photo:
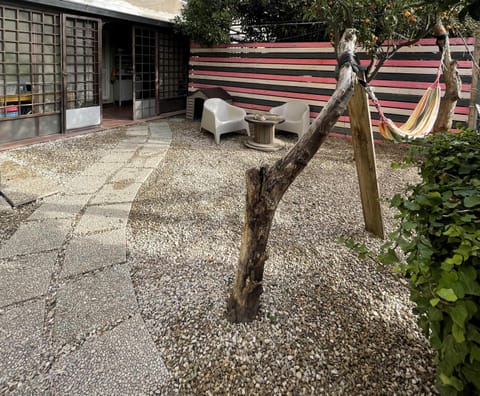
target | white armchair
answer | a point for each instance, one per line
(220, 117)
(296, 114)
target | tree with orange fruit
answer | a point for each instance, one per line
(382, 26)
(386, 26)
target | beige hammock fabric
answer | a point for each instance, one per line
(421, 121)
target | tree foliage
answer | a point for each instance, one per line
(210, 22)
(438, 236)
(273, 20)
(206, 22)
(464, 7)
(383, 26)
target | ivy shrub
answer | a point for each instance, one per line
(438, 234)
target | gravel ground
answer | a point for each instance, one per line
(57, 160)
(329, 324)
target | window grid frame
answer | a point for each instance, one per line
(144, 59)
(27, 90)
(83, 77)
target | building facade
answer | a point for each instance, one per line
(65, 65)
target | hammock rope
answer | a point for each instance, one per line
(420, 122)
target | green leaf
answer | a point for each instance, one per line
(457, 259)
(435, 197)
(448, 280)
(471, 201)
(409, 225)
(464, 249)
(467, 275)
(472, 375)
(434, 301)
(396, 201)
(388, 258)
(435, 314)
(474, 353)
(452, 354)
(452, 381)
(453, 230)
(447, 294)
(450, 204)
(458, 333)
(458, 313)
(413, 206)
(473, 333)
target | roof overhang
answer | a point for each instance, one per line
(97, 11)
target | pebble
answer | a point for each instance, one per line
(323, 311)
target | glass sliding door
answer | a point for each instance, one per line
(82, 71)
(173, 54)
(145, 72)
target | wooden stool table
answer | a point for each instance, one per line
(264, 132)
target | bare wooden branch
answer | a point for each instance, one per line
(377, 63)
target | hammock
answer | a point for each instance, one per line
(421, 121)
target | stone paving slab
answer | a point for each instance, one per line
(25, 277)
(36, 236)
(161, 126)
(131, 175)
(128, 146)
(139, 131)
(117, 156)
(28, 190)
(60, 206)
(103, 217)
(123, 361)
(103, 170)
(93, 301)
(116, 193)
(4, 205)
(86, 184)
(163, 138)
(20, 185)
(89, 252)
(20, 340)
(146, 159)
(138, 139)
(153, 148)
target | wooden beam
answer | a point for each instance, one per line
(364, 152)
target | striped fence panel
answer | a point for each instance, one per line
(261, 75)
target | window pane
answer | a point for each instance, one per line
(26, 44)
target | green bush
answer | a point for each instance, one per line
(439, 235)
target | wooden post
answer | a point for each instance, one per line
(364, 152)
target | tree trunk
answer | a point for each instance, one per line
(473, 115)
(453, 83)
(266, 186)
